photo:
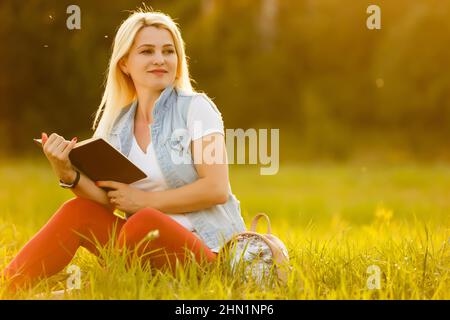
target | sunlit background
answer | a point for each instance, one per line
(334, 88)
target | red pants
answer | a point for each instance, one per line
(82, 222)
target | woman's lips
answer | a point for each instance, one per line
(158, 72)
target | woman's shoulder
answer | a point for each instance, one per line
(197, 101)
(197, 95)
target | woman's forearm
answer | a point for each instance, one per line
(87, 189)
(201, 194)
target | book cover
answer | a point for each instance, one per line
(100, 161)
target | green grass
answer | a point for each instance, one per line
(337, 220)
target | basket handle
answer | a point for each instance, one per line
(256, 219)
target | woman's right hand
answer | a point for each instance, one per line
(57, 150)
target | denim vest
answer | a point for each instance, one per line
(214, 225)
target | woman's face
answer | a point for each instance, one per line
(152, 60)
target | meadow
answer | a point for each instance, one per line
(337, 220)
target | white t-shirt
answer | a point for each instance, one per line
(211, 122)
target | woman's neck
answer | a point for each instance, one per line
(146, 103)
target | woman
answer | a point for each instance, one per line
(148, 99)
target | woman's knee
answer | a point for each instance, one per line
(78, 207)
(82, 202)
(141, 223)
(148, 216)
(94, 222)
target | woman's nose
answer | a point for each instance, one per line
(158, 58)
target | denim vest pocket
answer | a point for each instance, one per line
(178, 146)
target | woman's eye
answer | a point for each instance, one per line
(148, 51)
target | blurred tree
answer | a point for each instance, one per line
(309, 67)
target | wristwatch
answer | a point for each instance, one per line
(70, 186)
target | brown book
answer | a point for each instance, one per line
(100, 161)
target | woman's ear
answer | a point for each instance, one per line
(123, 66)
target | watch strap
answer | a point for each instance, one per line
(73, 184)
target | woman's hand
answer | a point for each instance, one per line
(124, 197)
(57, 150)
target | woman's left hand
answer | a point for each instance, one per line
(124, 197)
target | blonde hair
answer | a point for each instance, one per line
(119, 90)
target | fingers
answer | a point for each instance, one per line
(60, 145)
(108, 184)
(47, 141)
(69, 147)
(112, 194)
(44, 138)
(52, 142)
(55, 146)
